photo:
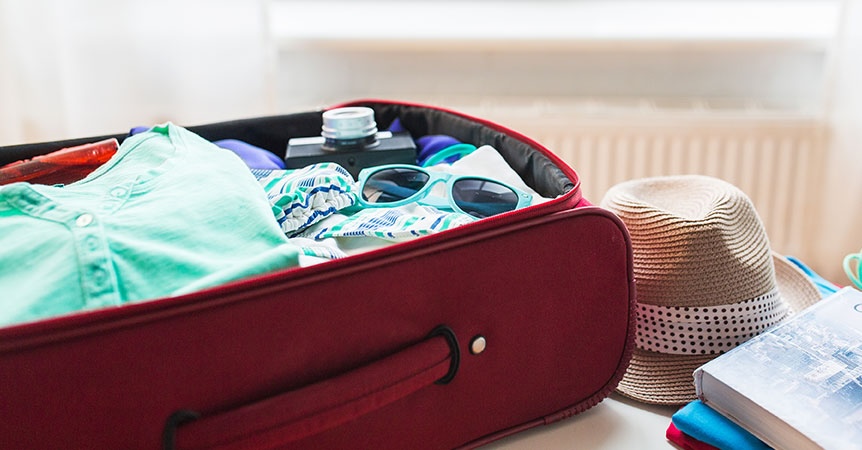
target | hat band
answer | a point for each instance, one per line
(685, 330)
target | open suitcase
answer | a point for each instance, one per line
(377, 350)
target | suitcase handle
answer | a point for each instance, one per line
(304, 412)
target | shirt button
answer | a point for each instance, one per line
(118, 192)
(99, 276)
(83, 220)
(99, 279)
(92, 243)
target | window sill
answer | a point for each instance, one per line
(478, 25)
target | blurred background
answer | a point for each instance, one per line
(765, 93)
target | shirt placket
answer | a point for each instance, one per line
(98, 278)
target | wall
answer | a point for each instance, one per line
(101, 66)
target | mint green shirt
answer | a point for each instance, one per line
(169, 213)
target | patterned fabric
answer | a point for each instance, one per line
(302, 197)
(394, 224)
(323, 250)
(684, 330)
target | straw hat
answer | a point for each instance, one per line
(706, 279)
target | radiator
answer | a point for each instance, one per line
(777, 159)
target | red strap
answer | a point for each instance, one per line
(297, 414)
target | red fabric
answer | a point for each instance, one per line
(313, 409)
(685, 441)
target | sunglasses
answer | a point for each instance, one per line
(400, 184)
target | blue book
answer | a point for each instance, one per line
(798, 384)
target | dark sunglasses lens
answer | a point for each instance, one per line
(392, 185)
(483, 198)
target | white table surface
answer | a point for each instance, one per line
(615, 423)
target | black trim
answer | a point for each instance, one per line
(176, 419)
(446, 332)
(536, 169)
(273, 132)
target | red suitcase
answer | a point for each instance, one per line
(287, 360)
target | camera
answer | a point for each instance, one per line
(350, 138)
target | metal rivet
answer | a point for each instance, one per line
(477, 345)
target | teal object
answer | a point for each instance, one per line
(400, 184)
(703, 423)
(824, 286)
(854, 274)
(169, 213)
(460, 150)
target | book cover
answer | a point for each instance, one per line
(798, 384)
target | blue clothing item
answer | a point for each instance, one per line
(396, 126)
(427, 146)
(824, 286)
(137, 130)
(169, 213)
(449, 154)
(703, 423)
(254, 157)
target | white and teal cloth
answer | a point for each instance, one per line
(392, 224)
(352, 230)
(302, 197)
(318, 202)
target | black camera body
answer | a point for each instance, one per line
(389, 148)
(350, 139)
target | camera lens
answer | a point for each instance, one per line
(349, 127)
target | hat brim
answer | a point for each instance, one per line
(666, 379)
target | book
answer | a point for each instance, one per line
(797, 385)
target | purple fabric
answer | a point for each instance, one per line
(427, 145)
(396, 126)
(433, 143)
(137, 130)
(254, 157)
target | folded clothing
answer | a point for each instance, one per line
(168, 213)
(394, 224)
(254, 157)
(685, 441)
(703, 423)
(302, 197)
